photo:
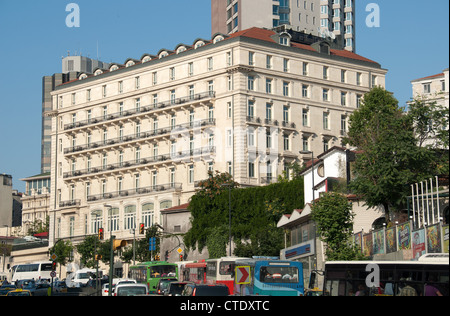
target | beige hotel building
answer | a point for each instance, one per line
(135, 139)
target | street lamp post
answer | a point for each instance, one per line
(229, 214)
(111, 257)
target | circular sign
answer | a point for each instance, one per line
(53, 274)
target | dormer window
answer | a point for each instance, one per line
(146, 59)
(114, 67)
(82, 76)
(199, 44)
(181, 49)
(284, 40)
(130, 63)
(218, 38)
(163, 54)
(98, 72)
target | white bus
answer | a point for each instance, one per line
(354, 278)
(36, 271)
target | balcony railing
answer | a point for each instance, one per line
(176, 156)
(138, 191)
(140, 110)
(257, 120)
(141, 135)
(70, 203)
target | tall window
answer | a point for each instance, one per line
(148, 214)
(96, 221)
(130, 217)
(113, 219)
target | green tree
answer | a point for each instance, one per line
(333, 216)
(217, 241)
(62, 249)
(389, 159)
(254, 214)
(430, 121)
(86, 250)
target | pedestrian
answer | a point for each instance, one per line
(361, 290)
(407, 290)
(430, 289)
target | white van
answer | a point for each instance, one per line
(81, 277)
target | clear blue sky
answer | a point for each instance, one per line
(411, 42)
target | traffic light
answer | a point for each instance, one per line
(101, 234)
(141, 229)
(119, 244)
(53, 265)
(181, 257)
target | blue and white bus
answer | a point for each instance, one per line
(272, 277)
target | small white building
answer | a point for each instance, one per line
(328, 172)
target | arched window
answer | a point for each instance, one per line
(165, 204)
(146, 59)
(378, 223)
(148, 214)
(130, 217)
(130, 63)
(82, 76)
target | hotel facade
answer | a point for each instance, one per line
(135, 139)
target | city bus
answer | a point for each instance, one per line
(193, 272)
(221, 271)
(36, 271)
(272, 277)
(151, 272)
(387, 278)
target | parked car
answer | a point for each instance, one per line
(105, 289)
(174, 288)
(163, 285)
(19, 292)
(5, 288)
(60, 287)
(37, 288)
(130, 289)
(192, 289)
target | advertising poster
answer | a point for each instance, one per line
(434, 239)
(391, 241)
(404, 236)
(446, 244)
(357, 240)
(367, 245)
(378, 242)
(418, 243)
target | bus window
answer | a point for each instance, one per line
(274, 274)
(226, 268)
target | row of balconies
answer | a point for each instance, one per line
(174, 157)
(138, 191)
(257, 120)
(142, 135)
(124, 193)
(140, 110)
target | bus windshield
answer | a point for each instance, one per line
(159, 271)
(276, 274)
